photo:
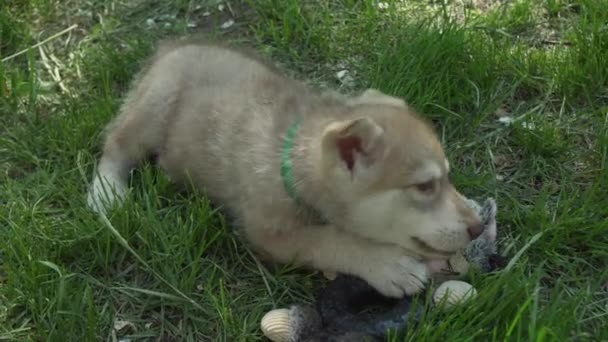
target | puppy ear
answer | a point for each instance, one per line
(355, 143)
(373, 96)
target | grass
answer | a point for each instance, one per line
(167, 266)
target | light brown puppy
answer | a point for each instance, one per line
(355, 185)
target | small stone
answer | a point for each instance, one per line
(341, 74)
(528, 125)
(507, 120)
(275, 325)
(345, 78)
(452, 293)
(227, 24)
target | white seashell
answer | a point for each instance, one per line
(452, 293)
(275, 325)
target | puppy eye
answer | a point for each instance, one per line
(426, 187)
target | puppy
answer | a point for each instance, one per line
(357, 185)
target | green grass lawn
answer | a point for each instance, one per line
(517, 89)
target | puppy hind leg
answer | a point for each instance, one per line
(135, 134)
(109, 184)
(139, 130)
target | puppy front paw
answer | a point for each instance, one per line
(395, 275)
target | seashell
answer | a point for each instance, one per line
(275, 325)
(452, 293)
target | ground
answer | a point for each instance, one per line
(517, 89)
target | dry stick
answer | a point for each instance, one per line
(55, 36)
(556, 42)
(53, 72)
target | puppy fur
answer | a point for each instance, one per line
(375, 171)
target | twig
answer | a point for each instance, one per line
(55, 75)
(55, 36)
(556, 42)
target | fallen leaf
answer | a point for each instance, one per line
(120, 324)
(501, 160)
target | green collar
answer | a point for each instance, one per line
(286, 163)
(287, 173)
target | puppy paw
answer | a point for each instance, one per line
(395, 275)
(105, 192)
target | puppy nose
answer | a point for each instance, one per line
(475, 230)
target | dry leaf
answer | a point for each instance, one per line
(501, 111)
(120, 324)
